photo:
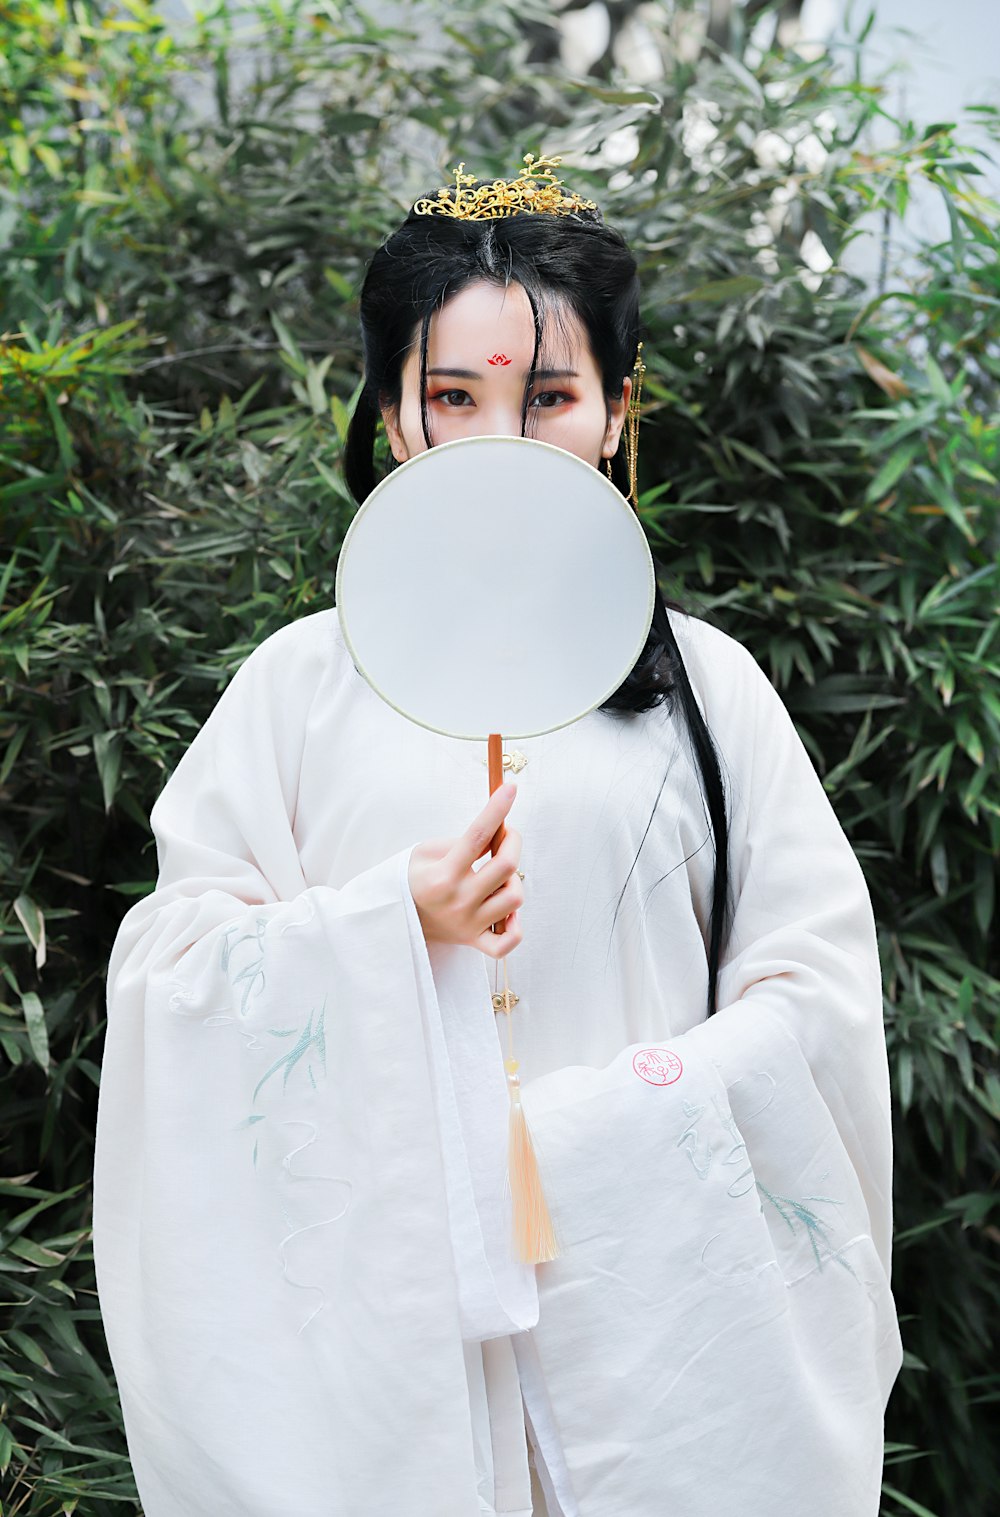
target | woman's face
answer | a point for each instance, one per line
(479, 351)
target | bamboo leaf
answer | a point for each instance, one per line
(45, 1258)
(938, 383)
(893, 469)
(29, 1348)
(34, 1020)
(907, 1503)
(886, 380)
(33, 922)
(718, 290)
(108, 754)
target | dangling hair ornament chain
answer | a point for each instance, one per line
(632, 428)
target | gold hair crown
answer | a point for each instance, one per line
(535, 189)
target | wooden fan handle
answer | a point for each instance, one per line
(495, 750)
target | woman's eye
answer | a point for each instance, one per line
(546, 399)
(453, 397)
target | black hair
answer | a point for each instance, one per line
(568, 262)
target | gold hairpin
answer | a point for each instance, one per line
(536, 189)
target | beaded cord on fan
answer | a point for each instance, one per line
(534, 1234)
(536, 190)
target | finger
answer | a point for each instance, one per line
(499, 906)
(433, 849)
(497, 870)
(496, 945)
(477, 837)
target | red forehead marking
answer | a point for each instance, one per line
(499, 358)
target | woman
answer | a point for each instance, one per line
(301, 1226)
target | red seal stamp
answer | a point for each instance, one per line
(657, 1066)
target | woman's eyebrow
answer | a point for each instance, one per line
(472, 374)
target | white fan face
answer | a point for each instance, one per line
(495, 584)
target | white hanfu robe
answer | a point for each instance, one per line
(301, 1226)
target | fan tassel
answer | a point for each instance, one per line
(534, 1236)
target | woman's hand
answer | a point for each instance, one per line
(459, 904)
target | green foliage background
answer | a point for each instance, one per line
(178, 359)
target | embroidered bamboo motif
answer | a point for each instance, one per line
(303, 1059)
(792, 1212)
(251, 976)
(308, 1040)
(699, 1141)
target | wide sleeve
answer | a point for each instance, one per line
(719, 1332)
(275, 1191)
(802, 958)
